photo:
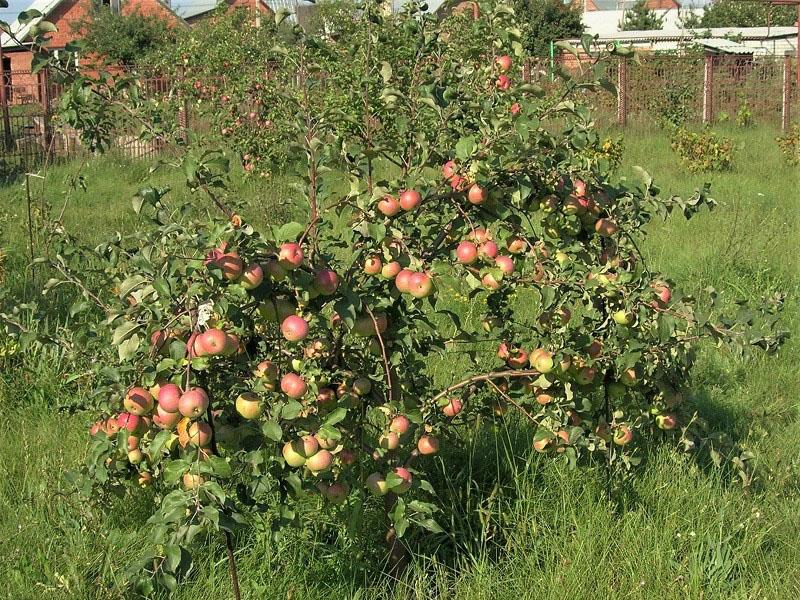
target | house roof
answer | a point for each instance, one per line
(20, 31)
(725, 46)
(699, 35)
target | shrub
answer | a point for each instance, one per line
(703, 151)
(789, 145)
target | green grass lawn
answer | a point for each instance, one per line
(683, 531)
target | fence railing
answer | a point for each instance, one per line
(693, 89)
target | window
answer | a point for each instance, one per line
(112, 4)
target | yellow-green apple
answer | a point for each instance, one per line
(373, 265)
(249, 405)
(376, 483)
(391, 269)
(199, 434)
(666, 421)
(389, 440)
(542, 360)
(516, 245)
(192, 481)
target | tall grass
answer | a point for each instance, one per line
(521, 526)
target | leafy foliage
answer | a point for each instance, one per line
(126, 39)
(790, 145)
(545, 21)
(703, 151)
(730, 13)
(641, 17)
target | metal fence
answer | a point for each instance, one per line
(694, 89)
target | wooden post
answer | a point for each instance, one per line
(786, 113)
(708, 90)
(44, 86)
(622, 91)
(4, 103)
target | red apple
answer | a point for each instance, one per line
(212, 342)
(428, 444)
(267, 369)
(252, 276)
(403, 281)
(476, 194)
(290, 255)
(503, 62)
(666, 421)
(488, 249)
(138, 401)
(503, 83)
(505, 264)
(410, 199)
(373, 265)
(622, 435)
(168, 397)
(606, 227)
(420, 285)
(449, 169)
(293, 385)
(164, 419)
(193, 403)
(467, 253)
(407, 478)
(516, 245)
(389, 206)
(321, 461)
(452, 408)
(326, 282)
(294, 328)
(399, 424)
(389, 440)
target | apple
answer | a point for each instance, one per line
(275, 310)
(622, 317)
(585, 375)
(111, 426)
(515, 108)
(410, 199)
(662, 292)
(376, 483)
(452, 408)
(389, 440)
(490, 282)
(518, 359)
(428, 444)
(476, 194)
(133, 442)
(274, 270)
(622, 435)
(542, 360)
(405, 475)
(362, 386)
(505, 264)
(133, 423)
(267, 370)
(293, 385)
(466, 253)
(449, 169)
(319, 462)
(420, 285)
(212, 342)
(373, 265)
(503, 83)
(138, 401)
(193, 402)
(164, 419)
(248, 404)
(480, 235)
(292, 457)
(544, 398)
(199, 434)
(595, 349)
(364, 326)
(488, 249)
(389, 206)
(326, 398)
(516, 245)
(628, 377)
(666, 421)
(145, 478)
(135, 456)
(294, 328)
(616, 390)
(192, 482)
(391, 269)
(168, 397)
(326, 282)
(252, 276)
(230, 264)
(335, 493)
(503, 62)
(403, 281)
(606, 227)
(290, 255)
(400, 424)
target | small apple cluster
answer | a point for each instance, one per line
(479, 248)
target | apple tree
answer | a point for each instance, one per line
(258, 371)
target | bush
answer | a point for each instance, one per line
(703, 151)
(790, 146)
(675, 106)
(126, 39)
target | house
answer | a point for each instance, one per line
(67, 16)
(603, 17)
(192, 12)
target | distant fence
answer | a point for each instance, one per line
(697, 89)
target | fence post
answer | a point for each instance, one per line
(622, 91)
(183, 111)
(708, 90)
(8, 142)
(786, 115)
(44, 82)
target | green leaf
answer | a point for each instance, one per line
(289, 232)
(131, 283)
(124, 331)
(465, 147)
(172, 557)
(272, 431)
(291, 411)
(337, 416)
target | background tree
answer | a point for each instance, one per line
(545, 21)
(731, 13)
(125, 39)
(640, 17)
